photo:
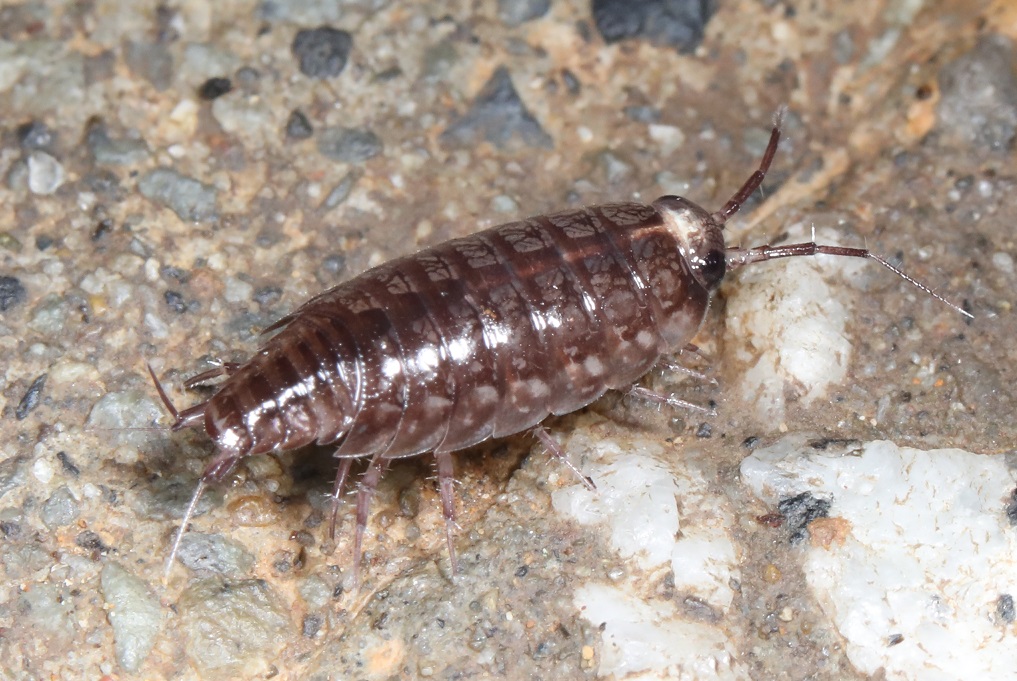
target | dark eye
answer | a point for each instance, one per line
(711, 268)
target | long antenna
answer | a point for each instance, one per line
(182, 529)
(739, 257)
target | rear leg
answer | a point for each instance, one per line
(671, 401)
(552, 446)
(674, 366)
(365, 492)
(337, 492)
(446, 482)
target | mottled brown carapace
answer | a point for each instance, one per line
(480, 337)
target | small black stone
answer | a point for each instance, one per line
(322, 52)
(68, 464)
(175, 301)
(214, 87)
(34, 135)
(10, 529)
(312, 624)
(31, 399)
(297, 126)
(12, 292)
(799, 511)
(1005, 608)
(1011, 509)
(91, 541)
(572, 82)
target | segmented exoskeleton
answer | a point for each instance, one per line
(481, 337)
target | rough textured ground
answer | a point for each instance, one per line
(152, 212)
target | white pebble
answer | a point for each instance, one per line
(42, 469)
(1003, 262)
(45, 174)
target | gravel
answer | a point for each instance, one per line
(516, 12)
(60, 510)
(134, 613)
(45, 173)
(214, 88)
(233, 626)
(31, 398)
(675, 23)
(979, 95)
(116, 152)
(497, 115)
(322, 52)
(349, 145)
(297, 126)
(190, 199)
(12, 292)
(214, 553)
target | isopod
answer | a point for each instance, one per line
(481, 337)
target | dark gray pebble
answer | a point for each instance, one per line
(799, 511)
(349, 145)
(248, 79)
(268, 295)
(342, 190)
(312, 625)
(31, 398)
(979, 95)
(68, 464)
(497, 115)
(91, 541)
(1005, 608)
(60, 509)
(214, 553)
(675, 23)
(175, 301)
(322, 52)
(516, 12)
(35, 135)
(189, 199)
(297, 126)
(168, 498)
(12, 292)
(108, 151)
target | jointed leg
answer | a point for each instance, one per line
(446, 480)
(557, 452)
(337, 492)
(365, 491)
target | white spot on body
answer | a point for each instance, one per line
(593, 366)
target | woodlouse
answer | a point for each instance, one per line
(481, 337)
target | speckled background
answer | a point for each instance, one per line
(150, 213)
